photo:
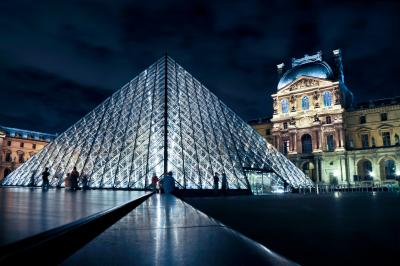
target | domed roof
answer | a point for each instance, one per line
(317, 69)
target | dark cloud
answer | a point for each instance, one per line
(59, 59)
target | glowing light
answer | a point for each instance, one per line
(336, 173)
(371, 173)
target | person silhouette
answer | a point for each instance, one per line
(45, 178)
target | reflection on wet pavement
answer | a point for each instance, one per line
(25, 212)
(166, 231)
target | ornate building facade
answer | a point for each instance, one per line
(316, 124)
(19, 145)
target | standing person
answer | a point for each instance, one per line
(74, 179)
(67, 181)
(154, 182)
(32, 180)
(216, 182)
(45, 177)
(169, 183)
(224, 184)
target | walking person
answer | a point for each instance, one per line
(224, 184)
(169, 183)
(74, 179)
(45, 178)
(216, 183)
(154, 182)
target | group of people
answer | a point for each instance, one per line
(71, 181)
(166, 185)
(224, 183)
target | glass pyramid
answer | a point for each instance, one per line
(162, 120)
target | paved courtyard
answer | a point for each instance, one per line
(329, 229)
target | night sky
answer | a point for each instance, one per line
(59, 60)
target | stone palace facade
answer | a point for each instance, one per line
(316, 124)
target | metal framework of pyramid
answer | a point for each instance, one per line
(162, 120)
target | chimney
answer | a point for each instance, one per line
(337, 54)
(280, 69)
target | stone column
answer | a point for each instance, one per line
(337, 138)
(317, 177)
(341, 133)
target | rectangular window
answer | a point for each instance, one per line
(363, 119)
(8, 156)
(284, 125)
(383, 116)
(365, 140)
(386, 138)
(330, 143)
(34, 146)
(328, 120)
(9, 143)
(21, 158)
(21, 144)
(285, 147)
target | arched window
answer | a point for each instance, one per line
(305, 103)
(285, 106)
(327, 98)
(306, 143)
(20, 157)
(364, 170)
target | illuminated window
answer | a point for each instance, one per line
(285, 147)
(305, 104)
(285, 106)
(327, 98)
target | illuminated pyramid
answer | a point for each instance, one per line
(162, 120)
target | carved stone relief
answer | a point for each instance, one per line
(304, 83)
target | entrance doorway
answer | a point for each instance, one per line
(364, 170)
(309, 170)
(387, 169)
(264, 181)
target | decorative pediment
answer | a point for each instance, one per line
(305, 82)
(305, 122)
